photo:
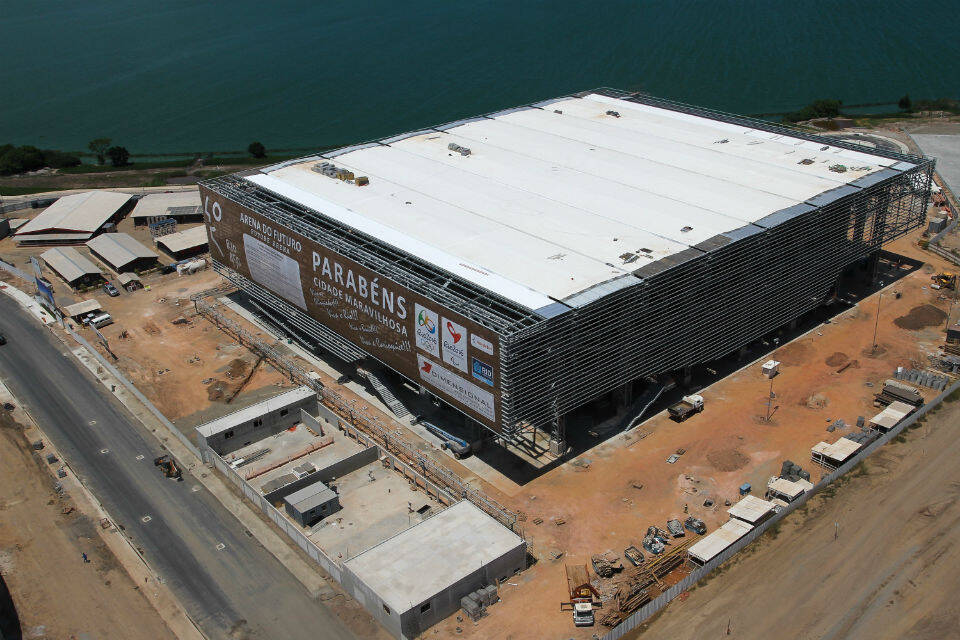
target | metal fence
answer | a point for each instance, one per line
(652, 607)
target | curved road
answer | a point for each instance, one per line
(238, 592)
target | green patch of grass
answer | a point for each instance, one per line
(23, 191)
(133, 166)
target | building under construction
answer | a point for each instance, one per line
(521, 264)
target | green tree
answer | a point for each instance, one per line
(905, 103)
(257, 150)
(119, 156)
(99, 147)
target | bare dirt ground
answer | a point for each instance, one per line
(592, 503)
(56, 594)
(877, 558)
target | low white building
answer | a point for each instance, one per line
(416, 579)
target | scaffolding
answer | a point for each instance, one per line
(687, 309)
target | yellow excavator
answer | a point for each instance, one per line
(945, 280)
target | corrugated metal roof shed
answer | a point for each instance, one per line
(68, 263)
(80, 212)
(79, 308)
(127, 278)
(712, 544)
(751, 509)
(119, 249)
(156, 204)
(183, 240)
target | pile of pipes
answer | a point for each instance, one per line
(642, 584)
(792, 472)
(476, 603)
(935, 381)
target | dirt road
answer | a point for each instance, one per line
(57, 594)
(876, 558)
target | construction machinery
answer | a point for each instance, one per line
(583, 597)
(696, 525)
(169, 467)
(944, 280)
(687, 406)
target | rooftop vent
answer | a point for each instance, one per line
(615, 114)
(453, 146)
(628, 257)
(645, 250)
(686, 229)
(557, 111)
(724, 141)
(806, 161)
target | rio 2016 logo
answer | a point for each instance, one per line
(426, 322)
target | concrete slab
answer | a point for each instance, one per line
(946, 149)
(373, 510)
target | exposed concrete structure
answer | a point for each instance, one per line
(415, 579)
(246, 426)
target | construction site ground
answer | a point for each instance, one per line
(42, 536)
(591, 503)
(605, 497)
(876, 558)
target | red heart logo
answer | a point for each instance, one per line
(426, 367)
(453, 332)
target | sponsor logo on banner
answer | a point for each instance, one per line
(455, 344)
(481, 343)
(427, 330)
(481, 371)
(463, 391)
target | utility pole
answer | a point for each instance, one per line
(876, 325)
(770, 397)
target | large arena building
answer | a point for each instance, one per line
(522, 264)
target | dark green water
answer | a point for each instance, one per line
(172, 76)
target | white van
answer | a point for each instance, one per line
(101, 320)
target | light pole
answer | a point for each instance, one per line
(876, 324)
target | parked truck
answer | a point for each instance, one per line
(688, 406)
(583, 597)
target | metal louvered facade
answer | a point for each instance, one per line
(691, 307)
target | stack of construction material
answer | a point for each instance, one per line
(929, 379)
(793, 472)
(606, 564)
(476, 603)
(642, 584)
(894, 391)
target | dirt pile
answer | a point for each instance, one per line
(838, 359)
(817, 401)
(728, 459)
(237, 368)
(921, 317)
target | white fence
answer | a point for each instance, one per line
(644, 613)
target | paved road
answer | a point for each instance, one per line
(238, 593)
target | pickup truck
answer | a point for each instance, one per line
(688, 406)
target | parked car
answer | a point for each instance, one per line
(110, 290)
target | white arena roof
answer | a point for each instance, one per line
(77, 213)
(560, 197)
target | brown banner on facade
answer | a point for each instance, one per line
(452, 356)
